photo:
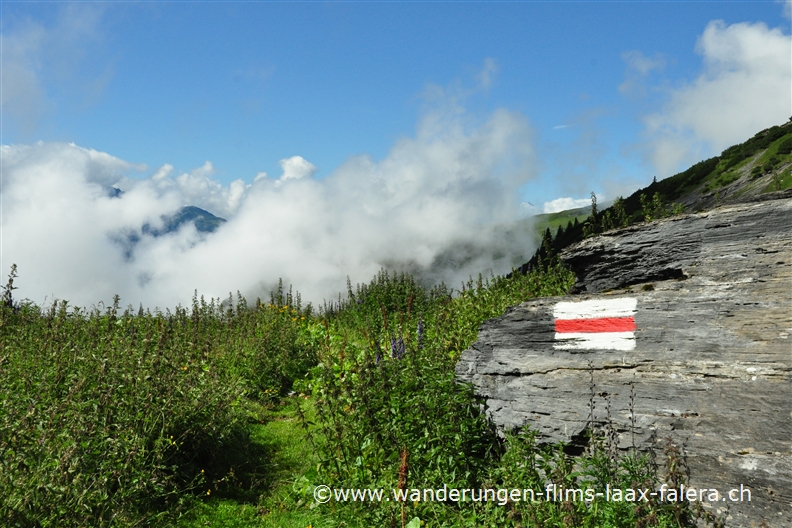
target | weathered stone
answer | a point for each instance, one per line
(669, 248)
(712, 365)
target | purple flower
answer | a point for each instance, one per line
(397, 348)
(420, 333)
(379, 352)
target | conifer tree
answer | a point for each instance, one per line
(620, 217)
(547, 241)
(592, 226)
(607, 221)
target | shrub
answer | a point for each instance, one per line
(785, 147)
(107, 418)
(116, 418)
(386, 382)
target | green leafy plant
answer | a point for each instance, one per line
(111, 417)
(108, 417)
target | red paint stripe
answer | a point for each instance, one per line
(604, 324)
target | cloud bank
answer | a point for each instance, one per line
(435, 205)
(745, 86)
(563, 204)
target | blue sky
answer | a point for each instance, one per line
(591, 95)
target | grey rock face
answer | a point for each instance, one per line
(712, 361)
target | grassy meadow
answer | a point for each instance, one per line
(231, 413)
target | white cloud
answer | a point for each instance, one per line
(642, 64)
(638, 68)
(198, 188)
(433, 206)
(745, 86)
(530, 209)
(23, 98)
(787, 10)
(35, 56)
(58, 219)
(296, 167)
(488, 71)
(563, 204)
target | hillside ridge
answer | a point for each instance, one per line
(757, 169)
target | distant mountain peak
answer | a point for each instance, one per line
(204, 221)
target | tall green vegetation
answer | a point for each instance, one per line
(117, 418)
(391, 414)
(131, 418)
(385, 380)
(655, 208)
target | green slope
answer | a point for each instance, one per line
(560, 218)
(760, 165)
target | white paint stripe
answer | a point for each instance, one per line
(622, 307)
(597, 341)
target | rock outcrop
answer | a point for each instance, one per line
(711, 365)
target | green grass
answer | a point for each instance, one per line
(781, 182)
(768, 155)
(281, 500)
(559, 219)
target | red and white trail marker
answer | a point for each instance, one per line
(598, 324)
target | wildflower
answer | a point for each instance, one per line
(420, 332)
(379, 351)
(208, 492)
(397, 348)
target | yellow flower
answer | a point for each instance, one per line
(208, 492)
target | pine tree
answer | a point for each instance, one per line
(620, 216)
(547, 241)
(607, 221)
(592, 226)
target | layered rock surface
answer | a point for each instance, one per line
(712, 363)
